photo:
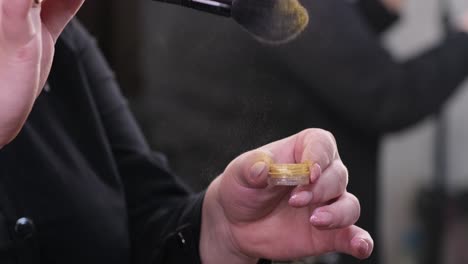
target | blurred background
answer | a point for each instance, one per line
(423, 169)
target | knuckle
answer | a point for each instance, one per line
(323, 133)
(313, 131)
(318, 132)
(330, 145)
(323, 145)
(331, 137)
(355, 202)
(342, 172)
(345, 176)
(319, 196)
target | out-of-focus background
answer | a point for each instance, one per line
(407, 163)
(409, 166)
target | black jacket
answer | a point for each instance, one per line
(220, 93)
(80, 185)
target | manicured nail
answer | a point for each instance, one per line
(301, 198)
(321, 219)
(362, 246)
(257, 169)
(315, 172)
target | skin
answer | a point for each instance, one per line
(246, 219)
(243, 218)
(394, 5)
(27, 37)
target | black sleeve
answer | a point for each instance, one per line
(164, 217)
(376, 14)
(343, 65)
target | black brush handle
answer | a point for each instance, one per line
(221, 8)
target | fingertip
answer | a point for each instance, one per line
(315, 172)
(257, 171)
(322, 219)
(301, 199)
(354, 241)
(251, 169)
(362, 248)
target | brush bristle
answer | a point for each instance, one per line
(271, 21)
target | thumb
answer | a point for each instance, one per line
(250, 169)
(244, 184)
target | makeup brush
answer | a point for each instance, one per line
(269, 21)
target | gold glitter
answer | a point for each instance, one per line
(289, 174)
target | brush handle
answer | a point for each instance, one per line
(218, 7)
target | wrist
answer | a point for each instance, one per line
(216, 243)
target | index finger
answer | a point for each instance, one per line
(316, 146)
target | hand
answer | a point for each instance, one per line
(245, 219)
(27, 36)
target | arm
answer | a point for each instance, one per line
(27, 36)
(159, 207)
(344, 65)
(168, 225)
(164, 217)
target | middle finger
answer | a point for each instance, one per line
(330, 184)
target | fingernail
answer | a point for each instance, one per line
(302, 198)
(321, 219)
(362, 246)
(315, 172)
(257, 169)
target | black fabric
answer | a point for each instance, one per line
(378, 16)
(223, 93)
(84, 177)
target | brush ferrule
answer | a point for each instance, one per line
(211, 6)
